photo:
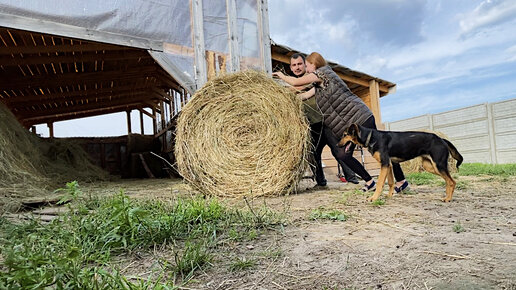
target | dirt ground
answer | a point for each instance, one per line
(407, 243)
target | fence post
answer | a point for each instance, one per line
(491, 132)
(430, 122)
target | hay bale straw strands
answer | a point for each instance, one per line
(242, 134)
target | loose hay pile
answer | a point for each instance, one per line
(416, 165)
(31, 166)
(242, 134)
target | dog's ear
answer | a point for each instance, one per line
(353, 130)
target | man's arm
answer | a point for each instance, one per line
(306, 95)
(304, 80)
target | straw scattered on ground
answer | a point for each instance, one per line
(242, 134)
(416, 165)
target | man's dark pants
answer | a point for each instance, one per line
(319, 138)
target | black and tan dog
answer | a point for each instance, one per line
(387, 147)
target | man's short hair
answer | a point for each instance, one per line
(298, 55)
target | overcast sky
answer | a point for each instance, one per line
(443, 55)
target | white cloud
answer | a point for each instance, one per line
(489, 13)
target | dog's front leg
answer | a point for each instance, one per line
(390, 181)
(384, 170)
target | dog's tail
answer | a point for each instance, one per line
(454, 153)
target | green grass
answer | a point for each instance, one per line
(495, 171)
(77, 250)
(241, 264)
(487, 169)
(378, 202)
(334, 214)
(423, 178)
(458, 228)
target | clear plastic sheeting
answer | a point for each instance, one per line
(215, 26)
(161, 26)
(157, 20)
(179, 66)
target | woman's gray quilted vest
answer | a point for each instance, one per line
(339, 105)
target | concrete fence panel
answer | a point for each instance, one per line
(484, 133)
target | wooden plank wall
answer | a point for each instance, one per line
(484, 133)
(330, 164)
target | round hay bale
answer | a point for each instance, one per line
(416, 165)
(242, 134)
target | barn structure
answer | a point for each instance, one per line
(87, 58)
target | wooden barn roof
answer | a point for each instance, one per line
(357, 81)
(46, 78)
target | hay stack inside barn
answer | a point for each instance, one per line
(32, 166)
(242, 135)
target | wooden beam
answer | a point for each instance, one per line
(142, 130)
(129, 131)
(67, 79)
(154, 123)
(80, 57)
(29, 121)
(211, 68)
(50, 126)
(280, 57)
(167, 79)
(234, 51)
(198, 43)
(162, 114)
(263, 36)
(145, 166)
(87, 95)
(374, 94)
(142, 110)
(85, 47)
(36, 111)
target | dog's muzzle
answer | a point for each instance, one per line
(346, 146)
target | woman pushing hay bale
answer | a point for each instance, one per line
(242, 134)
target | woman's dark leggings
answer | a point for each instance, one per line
(354, 164)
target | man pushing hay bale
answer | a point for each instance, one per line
(242, 135)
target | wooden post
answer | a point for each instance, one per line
(128, 122)
(154, 123)
(198, 42)
(374, 94)
(142, 131)
(234, 52)
(163, 113)
(263, 35)
(50, 130)
(210, 59)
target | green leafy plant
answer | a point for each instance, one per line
(241, 264)
(334, 214)
(71, 192)
(458, 228)
(378, 202)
